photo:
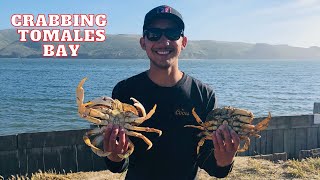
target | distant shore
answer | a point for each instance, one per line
(127, 47)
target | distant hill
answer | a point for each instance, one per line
(124, 46)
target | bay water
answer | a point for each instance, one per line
(38, 95)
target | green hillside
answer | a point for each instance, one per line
(125, 46)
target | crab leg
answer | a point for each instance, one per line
(210, 125)
(84, 112)
(145, 129)
(142, 119)
(245, 119)
(92, 114)
(92, 119)
(129, 152)
(195, 115)
(206, 133)
(242, 112)
(139, 135)
(246, 144)
(97, 141)
(204, 125)
(201, 142)
(138, 105)
(197, 127)
(263, 124)
(92, 132)
(247, 126)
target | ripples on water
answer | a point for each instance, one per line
(39, 94)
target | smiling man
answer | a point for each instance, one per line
(173, 155)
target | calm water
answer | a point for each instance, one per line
(39, 94)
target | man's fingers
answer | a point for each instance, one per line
(126, 145)
(227, 138)
(220, 140)
(235, 139)
(215, 141)
(113, 137)
(106, 140)
(122, 141)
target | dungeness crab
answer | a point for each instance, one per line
(237, 119)
(105, 110)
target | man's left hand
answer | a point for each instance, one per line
(226, 143)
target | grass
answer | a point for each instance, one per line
(244, 168)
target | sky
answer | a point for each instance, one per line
(292, 22)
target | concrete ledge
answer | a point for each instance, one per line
(52, 159)
(316, 108)
(35, 160)
(8, 143)
(60, 151)
(68, 156)
(316, 118)
(9, 163)
(65, 151)
(84, 158)
(272, 157)
(288, 122)
(50, 139)
(313, 153)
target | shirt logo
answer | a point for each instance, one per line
(181, 112)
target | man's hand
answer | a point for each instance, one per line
(115, 141)
(226, 144)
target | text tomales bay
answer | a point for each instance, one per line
(60, 28)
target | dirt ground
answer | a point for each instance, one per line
(244, 168)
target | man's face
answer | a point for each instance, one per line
(163, 53)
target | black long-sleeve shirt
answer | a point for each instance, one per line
(173, 155)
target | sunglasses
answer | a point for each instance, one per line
(154, 34)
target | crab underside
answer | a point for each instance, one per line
(104, 110)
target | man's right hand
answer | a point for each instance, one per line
(115, 141)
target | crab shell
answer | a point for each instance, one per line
(237, 119)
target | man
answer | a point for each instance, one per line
(173, 155)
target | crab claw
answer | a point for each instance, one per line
(80, 95)
(80, 91)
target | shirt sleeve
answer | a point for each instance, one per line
(117, 167)
(206, 159)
